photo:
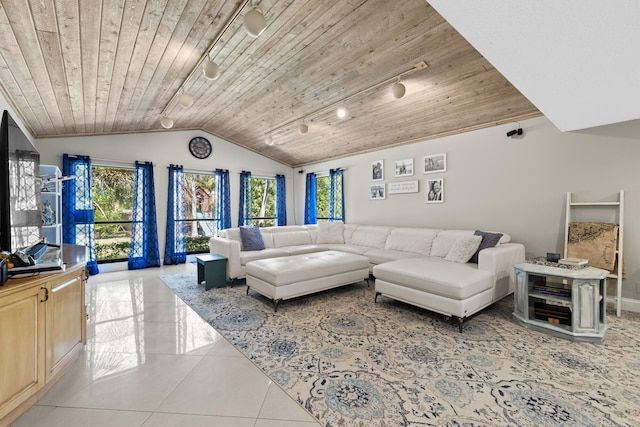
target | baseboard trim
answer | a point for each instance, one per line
(628, 304)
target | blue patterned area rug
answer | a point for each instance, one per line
(351, 362)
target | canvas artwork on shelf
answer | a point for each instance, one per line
(435, 190)
(404, 168)
(377, 192)
(435, 163)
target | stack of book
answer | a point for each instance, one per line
(543, 290)
(552, 312)
(576, 262)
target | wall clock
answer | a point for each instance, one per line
(200, 147)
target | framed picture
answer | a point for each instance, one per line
(404, 168)
(435, 163)
(377, 170)
(435, 190)
(377, 192)
(403, 187)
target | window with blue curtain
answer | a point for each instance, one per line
(175, 249)
(281, 200)
(77, 207)
(336, 195)
(144, 250)
(310, 200)
(244, 210)
(223, 207)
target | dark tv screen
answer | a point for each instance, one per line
(20, 199)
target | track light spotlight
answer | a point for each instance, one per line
(398, 90)
(166, 122)
(303, 128)
(254, 22)
(185, 100)
(211, 70)
(268, 140)
(342, 112)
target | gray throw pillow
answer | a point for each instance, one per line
(489, 240)
(251, 239)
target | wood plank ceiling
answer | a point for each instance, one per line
(72, 67)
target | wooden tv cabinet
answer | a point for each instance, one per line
(42, 330)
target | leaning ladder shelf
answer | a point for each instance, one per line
(619, 206)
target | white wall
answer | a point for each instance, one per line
(164, 148)
(514, 185)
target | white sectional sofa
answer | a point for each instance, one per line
(414, 265)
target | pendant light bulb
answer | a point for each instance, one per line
(166, 122)
(303, 128)
(268, 140)
(254, 22)
(398, 90)
(185, 100)
(211, 70)
(341, 112)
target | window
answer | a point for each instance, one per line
(200, 198)
(112, 190)
(322, 198)
(263, 202)
(329, 197)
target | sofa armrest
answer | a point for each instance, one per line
(231, 250)
(500, 260)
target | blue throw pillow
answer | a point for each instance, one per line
(489, 240)
(251, 239)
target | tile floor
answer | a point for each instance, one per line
(152, 361)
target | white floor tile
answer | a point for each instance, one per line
(135, 381)
(278, 405)
(183, 420)
(281, 423)
(227, 386)
(65, 417)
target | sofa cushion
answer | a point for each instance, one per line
(436, 276)
(371, 236)
(230, 233)
(330, 232)
(354, 249)
(444, 240)
(489, 240)
(304, 249)
(248, 256)
(251, 239)
(415, 240)
(291, 238)
(463, 249)
(379, 256)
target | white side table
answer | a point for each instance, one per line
(563, 302)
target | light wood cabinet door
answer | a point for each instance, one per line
(64, 320)
(22, 341)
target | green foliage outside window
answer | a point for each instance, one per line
(322, 198)
(263, 201)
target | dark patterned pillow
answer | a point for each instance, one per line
(489, 240)
(251, 239)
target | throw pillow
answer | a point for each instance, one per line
(489, 240)
(463, 248)
(330, 232)
(251, 239)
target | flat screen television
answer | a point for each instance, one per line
(20, 187)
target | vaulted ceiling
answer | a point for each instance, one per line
(91, 68)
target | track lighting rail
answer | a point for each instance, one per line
(417, 67)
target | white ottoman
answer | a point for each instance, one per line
(292, 276)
